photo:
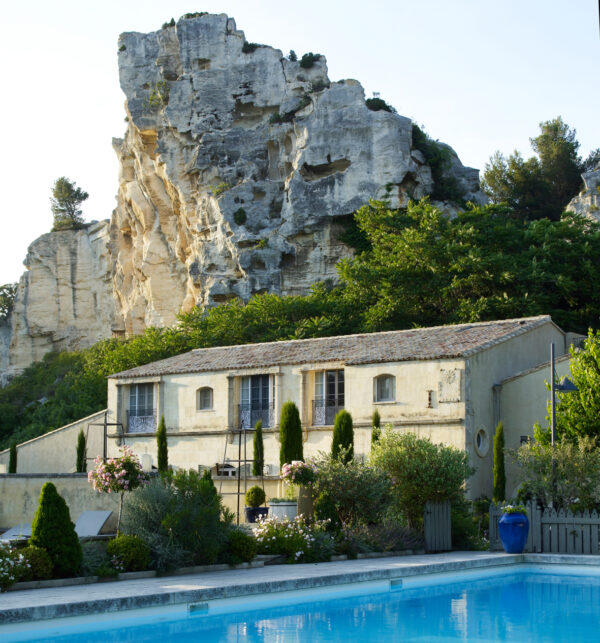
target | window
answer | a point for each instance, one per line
(204, 401)
(141, 417)
(384, 388)
(256, 401)
(329, 396)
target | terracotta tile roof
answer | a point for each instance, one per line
(439, 342)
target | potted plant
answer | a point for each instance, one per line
(302, 475)
(255, 496)
(513, 527)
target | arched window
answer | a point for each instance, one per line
(384, 388)
(204, 398)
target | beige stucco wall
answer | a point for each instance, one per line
(19, 496)
(55, 452)
(489, 368)
(523, 402)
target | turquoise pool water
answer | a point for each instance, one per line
(526, 605)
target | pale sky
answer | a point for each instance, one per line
(478, 74)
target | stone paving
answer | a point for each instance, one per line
(38, 604)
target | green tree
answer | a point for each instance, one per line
(7, 300)
(81, 460)
(499, 494)
(376, 427)
(65, 204)
(342, 444)
(421, 471)
(541, 186)
(53, 531)
(12, 458)
(578, 413)
(258, 460)
(161, 446)
(290, 434)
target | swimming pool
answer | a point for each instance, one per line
(516, 603)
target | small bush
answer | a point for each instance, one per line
(249, 47)
(122, 48)
(239, 216)
(276, 118)
(241, 547)
(166, 25)
(255, 496)
(378, 104)
(159, 95)
(53, 531)
(465, 527)
(129, 553)
(38, 565)
(220, 188)
(293, 58)
(308, 60)
(195, 14)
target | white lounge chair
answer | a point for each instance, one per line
(90, 523)
(19, 532)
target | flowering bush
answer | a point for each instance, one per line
(11, 566)
(117, 475)
(514, 509)
(295, 539)
(299, 473)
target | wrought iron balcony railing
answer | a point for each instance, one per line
(325, 410)
(141, 421)
(250, 414)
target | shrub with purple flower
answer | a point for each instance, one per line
(299, 473)
(117, 475)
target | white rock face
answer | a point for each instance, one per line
(238, 172)
(587, 202)
(64, 300)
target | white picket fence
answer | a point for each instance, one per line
(554, 532)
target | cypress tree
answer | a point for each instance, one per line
(12, 458)
(81, 462)
(53, 531)
(290, 434)
(343, 436)
(376, 424)
(499, 472)
(258, 458)
(161, 446)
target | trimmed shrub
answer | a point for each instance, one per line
(241, 547)
(290, 434)
(161, 446)
(38, 565)
(255, 496)
(499, 472)
(342, 446)
(376, 424)
(129, 553)
(12, 458)
(81, 462)
(53, 531)
(258, 456)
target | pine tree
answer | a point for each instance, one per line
(12, 458)
(81, 462)
(258, 460)
(376, 424)
(65, 201)
(343, 437)
(290, 434)
(53, 531)
(499, 472)
(161, 446)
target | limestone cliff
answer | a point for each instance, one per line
(237, 170)
(587, 202)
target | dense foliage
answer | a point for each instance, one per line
(80, 453)
(258, 451)
(342, 443)
(420, 471)
(38, 564)
(255, 496)
(128, 553)
(290, 434)
(7, 300)
(53, 531)
(162, 450)
(499, 473)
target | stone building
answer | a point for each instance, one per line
(444, 383)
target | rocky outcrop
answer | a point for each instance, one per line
(238, 171)
(64, 300)
(587, 202)
(238, 166)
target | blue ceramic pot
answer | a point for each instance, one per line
(513, 530)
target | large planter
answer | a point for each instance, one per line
(283, 510)
(513, 530)
(305, 501)
(254, 514)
